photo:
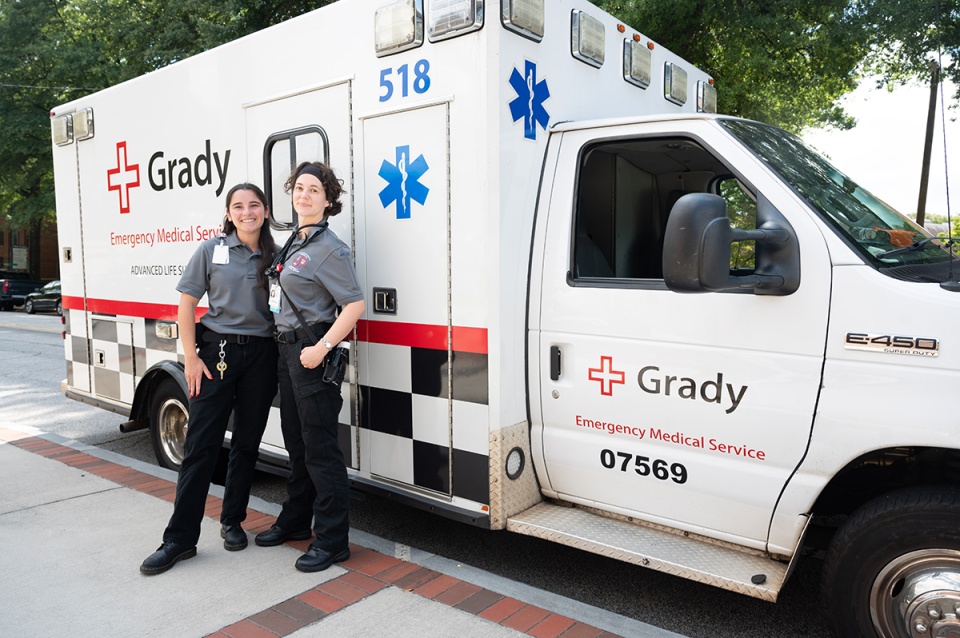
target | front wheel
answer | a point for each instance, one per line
(169, 420)
(893, 569)
(60, 308)
(28, 306)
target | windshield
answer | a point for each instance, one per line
(886, 239)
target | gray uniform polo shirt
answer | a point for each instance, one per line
(236, 305)
(317, 278)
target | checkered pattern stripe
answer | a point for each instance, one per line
(111, 360)
(399, 414)
(409, 396)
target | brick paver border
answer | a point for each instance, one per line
(368, 571)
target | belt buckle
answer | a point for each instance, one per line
(243, 340)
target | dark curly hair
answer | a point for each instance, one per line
(332, 186)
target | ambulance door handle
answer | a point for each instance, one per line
(554, 363)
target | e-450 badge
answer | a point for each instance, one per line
(892, 344)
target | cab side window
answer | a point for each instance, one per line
(625, 192)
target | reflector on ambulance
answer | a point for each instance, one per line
(674, 83)
(637, 63)
(398, 27)
(706, 97)
(62, 129)
(524, 17)
(586, 38)
(83, 124)
(450, 18)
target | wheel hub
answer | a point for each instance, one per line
(173, 428)
(935, 607)
(918, 596)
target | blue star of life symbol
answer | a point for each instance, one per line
(403, 182)
(530, 97)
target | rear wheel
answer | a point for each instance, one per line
(60, 308)
(169, 420)
(893, 569)
(28, 306)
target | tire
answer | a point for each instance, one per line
(169, 420)
(60, 308)
(28, 306)
(893, 568)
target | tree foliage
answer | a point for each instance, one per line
(785, 62)
(54, 51)
(908, 35)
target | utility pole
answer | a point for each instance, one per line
(928, 142)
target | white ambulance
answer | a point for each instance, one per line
(535, 194)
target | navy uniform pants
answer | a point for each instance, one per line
(318, 487)
(247, 389)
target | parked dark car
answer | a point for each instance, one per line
(47, 299)
(14, 287)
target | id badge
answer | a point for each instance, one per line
(274, 297)
(221, 254)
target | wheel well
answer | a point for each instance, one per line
(886, 470)
(143, 397)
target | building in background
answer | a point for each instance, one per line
(15, 242)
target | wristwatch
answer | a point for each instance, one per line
(326, 343)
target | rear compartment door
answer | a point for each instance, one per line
(312, 125)
(404, 350)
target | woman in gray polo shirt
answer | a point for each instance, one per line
(230, 364)
(316, 276)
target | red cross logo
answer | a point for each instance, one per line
(606, 375)
(123, 177)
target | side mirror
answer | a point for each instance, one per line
(696, 249)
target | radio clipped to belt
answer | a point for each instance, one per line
(335, 364)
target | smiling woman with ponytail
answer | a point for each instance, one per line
(230, 366)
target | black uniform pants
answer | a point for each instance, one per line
(318, 487)
(248, 388)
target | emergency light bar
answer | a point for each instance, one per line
(706, 97)
(524, 17)
(398, 27)
(637, 63)
(62, 128)
(586, 38)
(450, 18)
(674, 83)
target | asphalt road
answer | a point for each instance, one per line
(32, 366)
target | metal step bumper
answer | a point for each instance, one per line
(674, 553)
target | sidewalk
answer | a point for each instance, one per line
(76, 521)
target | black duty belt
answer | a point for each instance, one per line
(293, 336)
(215, 337)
